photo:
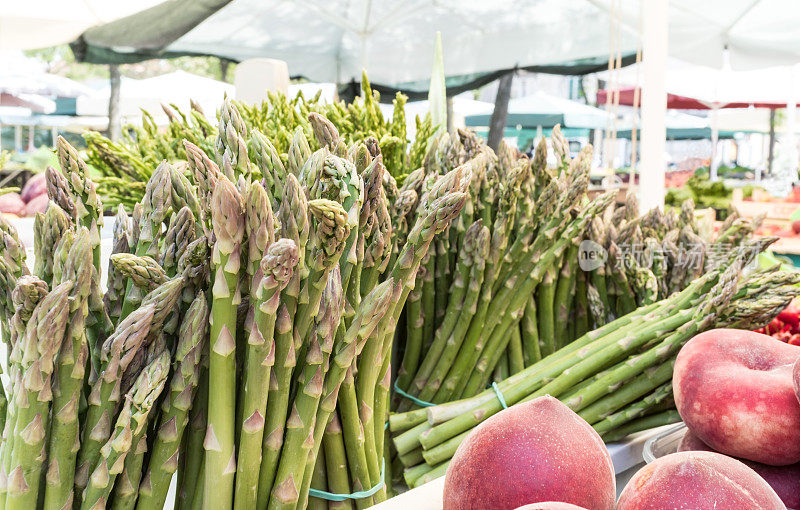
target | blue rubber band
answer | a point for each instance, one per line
(499, 395)
(330, 496)
(412, 398)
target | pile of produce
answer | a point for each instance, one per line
(540, 265)
(240, 301)
(616, 377)
(786, 326)
(126, 165)
(272, 269)
(739, 394)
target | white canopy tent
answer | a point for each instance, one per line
(42, 23)
(177, 87)
(750, 34)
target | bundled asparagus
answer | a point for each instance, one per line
(507, 250)
(613, 375)
(127, 165)
(236, 310)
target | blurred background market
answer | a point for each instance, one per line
(727, 72)
(727, 134)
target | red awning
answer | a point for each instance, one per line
(677, 102)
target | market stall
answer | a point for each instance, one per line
(334, 298)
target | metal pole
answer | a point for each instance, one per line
(655, 42)
(497, 123)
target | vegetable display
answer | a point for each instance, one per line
(127, 164)
(284, 277)
(248, 288)
(589, 303)
(614, 377)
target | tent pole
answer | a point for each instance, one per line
(655, 42)
(712, 164)
(771, 147)
(18, 138)
(114, 128)
(791, 121)
(497, 123)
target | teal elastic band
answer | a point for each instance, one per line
(412, 398)
(316, 493)
(499, 394)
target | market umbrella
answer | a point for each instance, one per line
(627, 97)
(544, 110)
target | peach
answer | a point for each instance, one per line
(551, 505)
(784, 480)
(534, 451)
(700, 481)
(796, 379)
(733, 389)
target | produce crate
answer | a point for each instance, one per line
(774, 210)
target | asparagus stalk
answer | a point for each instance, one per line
(112, 300)
(32, 396)
(277, 268)
(88, 210)
(293, 215)
(634, 410)
(64, 435)
(227, 217)
(338, 480)
(301, 423)
(27, 294)
(643, 423)
(47, 231)
(163, 460)
(130, 426)
(118, 352)
(353, 434)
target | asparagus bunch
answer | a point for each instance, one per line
(245, 288)
(504, 272)
(274, 125)
(616, 377)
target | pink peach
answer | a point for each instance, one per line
(534, 451)
(784, 480)
(733, 389)
(700, 481)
